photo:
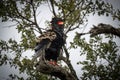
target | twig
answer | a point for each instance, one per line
(53, 9)
(34, 15)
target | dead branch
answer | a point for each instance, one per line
(102, 29)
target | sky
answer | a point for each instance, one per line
(11, 32)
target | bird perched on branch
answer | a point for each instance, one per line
(50, 42)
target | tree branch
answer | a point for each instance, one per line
(67, 61)
(34, 15)
(70, 28)
(104, 28)
(53, 9)
(24, 18)
(52, 70)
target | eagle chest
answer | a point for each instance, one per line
(57, 42)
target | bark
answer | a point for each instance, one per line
(104, 29)
(44, 67)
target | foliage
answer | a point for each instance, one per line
(74, 13)
(102, 58)
(21, 13)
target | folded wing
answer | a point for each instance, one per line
(43, 42)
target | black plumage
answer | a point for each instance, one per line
(50, 42)
(54, 50)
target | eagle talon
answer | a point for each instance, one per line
(53, 63)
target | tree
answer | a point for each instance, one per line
(102, 58)
(74, 13)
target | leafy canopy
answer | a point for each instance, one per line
(74, 13)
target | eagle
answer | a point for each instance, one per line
(51, 41)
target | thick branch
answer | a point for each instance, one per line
(67, 61)
(104, 28)
(57, 71)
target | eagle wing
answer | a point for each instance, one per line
(43, 42)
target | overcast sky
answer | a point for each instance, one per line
(11, 32)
